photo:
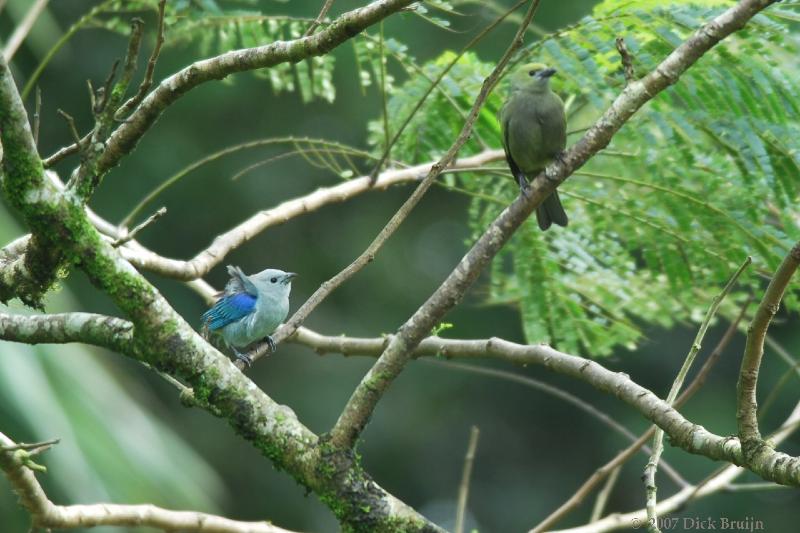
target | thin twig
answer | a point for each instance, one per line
(746, 404)
(384, 99)
(627, 59)
(132, 56)
(37, 115)
(250, 231)
(794, 369)
(649, 477)
(782, 352)
(66, 151)
(32, 448)
(414, 70)
(104, 92)
(775, 390)
(320, 18)
(603, 495)
(754, 486)
(76, 137)
(223, 244)
(565, 396)
(717, 481)
(435, 83)
(466, 475)
(149, 220)
(22, 30)
(147, 82)
(92, 95)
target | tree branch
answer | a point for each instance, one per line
(45, 514)
(693, 438)
(89, 328)
(434, 84)
(167, 343)
(746, 403)
(717, 482)
(466, 475)
(22, 30)
(362, 403)
(320, 17)
(225, 243)
(565, 396)
(31, 284)
(127, 135)
(622, 457)
(30, 278)
(147, 81)
(649, 477)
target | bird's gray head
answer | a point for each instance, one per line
(532, 77)
(273, 282)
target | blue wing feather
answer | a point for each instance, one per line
(229, 308)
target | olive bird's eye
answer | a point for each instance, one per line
(532, 72)
(273, 280)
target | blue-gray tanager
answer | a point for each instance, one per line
(250, 309)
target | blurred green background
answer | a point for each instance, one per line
(125, 436)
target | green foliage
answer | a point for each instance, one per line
(706, 174)
(214, 27)
(217, 27)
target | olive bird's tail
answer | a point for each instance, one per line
(551, 212)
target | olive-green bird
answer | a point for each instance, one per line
(534, 133)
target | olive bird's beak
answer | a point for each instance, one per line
(546, 73)
(287, 278)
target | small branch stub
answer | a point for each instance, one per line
(627, 59)
(130, 236)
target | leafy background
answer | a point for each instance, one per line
(703, 176)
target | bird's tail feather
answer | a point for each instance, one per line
(551, 212)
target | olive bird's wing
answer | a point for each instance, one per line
(519, 176)
(552, 119)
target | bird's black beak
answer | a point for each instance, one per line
(287, 278)
(546, 73)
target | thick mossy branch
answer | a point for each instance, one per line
(27, 279)
(169, 344)
(99, 330)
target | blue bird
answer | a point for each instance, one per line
(250, 309)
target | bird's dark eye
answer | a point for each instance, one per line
(273, 280)
(532, 72)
